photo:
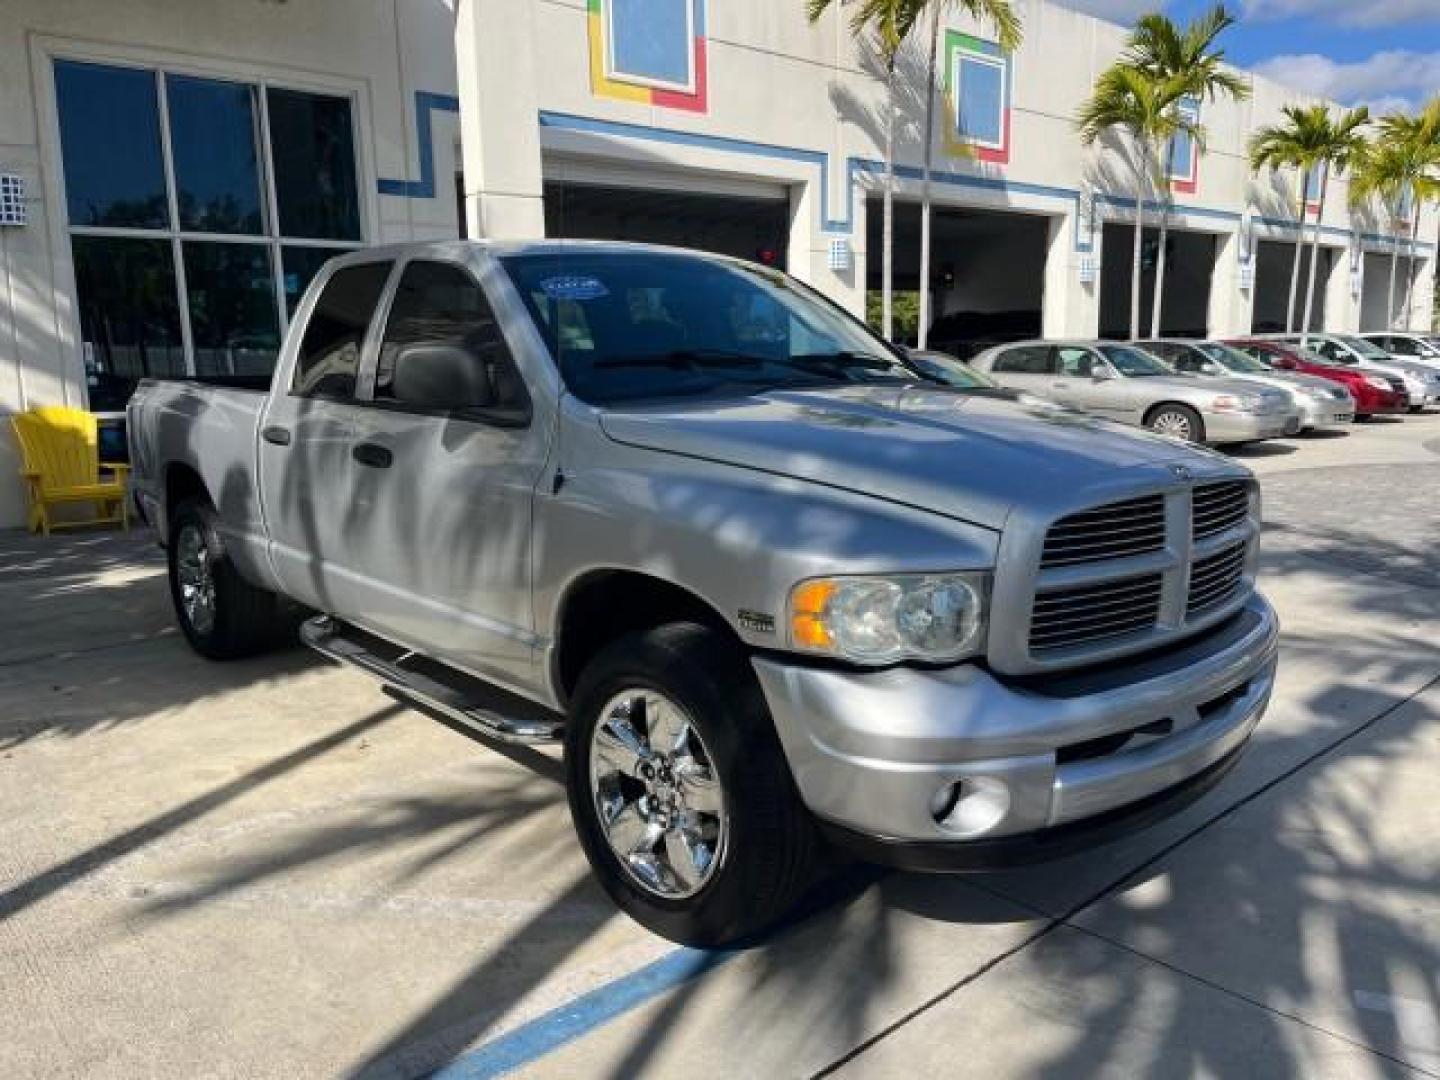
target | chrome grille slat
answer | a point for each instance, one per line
(1117, 530)
(1081, 606)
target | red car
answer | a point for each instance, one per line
(1373, 393)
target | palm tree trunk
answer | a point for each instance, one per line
(1295, 263)
(887, 271)
(924, 330)
(1394, 265)
(1314, 256)
(1409, 313)
(1140, 181)
(1157, 301)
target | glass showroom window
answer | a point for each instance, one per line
(199, 210)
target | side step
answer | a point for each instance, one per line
(432, 684)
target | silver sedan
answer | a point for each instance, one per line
(1322, 403)
(1125, 383)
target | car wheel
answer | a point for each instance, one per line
(222, 615)
(680, 791)
(1177, 421)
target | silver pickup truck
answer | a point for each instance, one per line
(771, 588)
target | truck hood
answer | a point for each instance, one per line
(969, 456)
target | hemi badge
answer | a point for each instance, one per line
(756, 622)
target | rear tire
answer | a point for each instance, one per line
(701, 836)
(1177, 421)
(222, 615)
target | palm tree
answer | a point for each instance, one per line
(1382, 171)
(1315, 143)
(1160, 48)
(1278, 147)
(890, 21)
(1415, 141)
(1144, 106)
(1001, 16)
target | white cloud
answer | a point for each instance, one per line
(1391, 80)
(1345, 12)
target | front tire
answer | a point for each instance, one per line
(1177, 421)
(680, 791)
(222, 615)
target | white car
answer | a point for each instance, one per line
(1405, 345)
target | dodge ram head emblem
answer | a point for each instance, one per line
(1182, 472)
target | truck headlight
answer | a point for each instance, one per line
(937, 618)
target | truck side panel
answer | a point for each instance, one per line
(188, 439)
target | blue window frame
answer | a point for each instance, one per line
(652, 42)
(980, 98)
(1313, 178)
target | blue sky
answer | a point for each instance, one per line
(1382, 53)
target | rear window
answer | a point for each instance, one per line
(329, 357)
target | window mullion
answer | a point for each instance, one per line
(177, 247)
(272, 213)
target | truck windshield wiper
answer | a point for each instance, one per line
(683, 359)
(843, 359)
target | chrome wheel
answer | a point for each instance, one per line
(659, 801)
(1175, 424)
(196, 576)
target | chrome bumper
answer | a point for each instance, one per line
(1328, 414)
(881, 753)
(1247, 427)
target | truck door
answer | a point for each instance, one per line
(447, 458)
(306, 437)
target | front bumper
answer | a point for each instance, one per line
(1325, 414)
(1248, 427)
(878, 753)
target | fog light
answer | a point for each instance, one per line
(972, 806)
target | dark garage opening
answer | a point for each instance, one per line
(1189, 264)
(987, 274)
(1274, 260)
(1379, 308)
(757, 229)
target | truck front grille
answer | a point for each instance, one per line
(1066, 618)
(1132, 573)
(1214, 579)
(1114, 531)
(1218, 507)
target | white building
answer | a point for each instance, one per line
(185, 165)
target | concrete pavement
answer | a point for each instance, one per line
(270, 869)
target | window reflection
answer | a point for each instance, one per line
(110, 144)
(313, 148)
(213, 141)
(233, 323)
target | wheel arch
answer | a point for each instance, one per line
(603, 605)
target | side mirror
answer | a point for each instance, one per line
(1212, 368)
(441, 376)
(1102, 373)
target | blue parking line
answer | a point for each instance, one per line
(546, 1034)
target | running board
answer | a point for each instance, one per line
(440, 688)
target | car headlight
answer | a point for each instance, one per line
(1239, 403)
(1377, 382)
(937, 618)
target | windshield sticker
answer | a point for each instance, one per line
(574, 287)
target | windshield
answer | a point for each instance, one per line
(1233, 359)
(952, 372)
(1367, 349)
(1133, 363)
(624, 326)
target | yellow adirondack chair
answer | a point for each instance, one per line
(60, 463)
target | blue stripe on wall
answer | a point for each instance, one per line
(426, 103)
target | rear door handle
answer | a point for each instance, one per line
(373, 455)
(279, 436)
